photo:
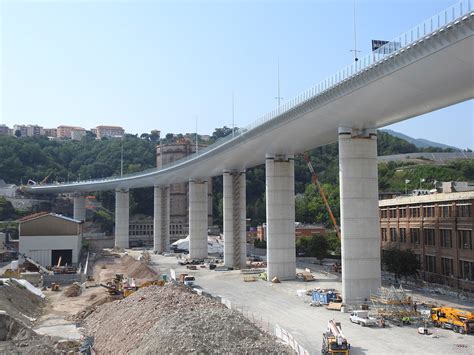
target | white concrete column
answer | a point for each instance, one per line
(360, 226)
(280, 196)
(122, 214)
(234, 200)
(198, 219)
(79, 207)
(161, 219)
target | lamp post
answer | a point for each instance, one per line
(406, 186)
(421, 180)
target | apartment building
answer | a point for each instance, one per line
(66, 131)
(51, 132)
(438, 228)
(108, 131)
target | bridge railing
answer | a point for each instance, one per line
(398, 44)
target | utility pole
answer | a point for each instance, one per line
(197, 134)
(233, 116)
(355, 36)
(279, 98)
(121, 158)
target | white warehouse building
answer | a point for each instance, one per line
(47, 237)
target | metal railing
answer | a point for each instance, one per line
(424, 30)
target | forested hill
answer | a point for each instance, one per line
(37, 157)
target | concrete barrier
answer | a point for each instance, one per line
(63, 279)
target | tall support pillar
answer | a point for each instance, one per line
(122, 213)
(234, 200)
(198, 219)
(360, 226)
(161, 219)
(79, 207)
(280, 196)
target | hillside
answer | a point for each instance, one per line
(419, 142)
(37, 158)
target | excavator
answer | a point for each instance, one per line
(451, 318)
(122, 288)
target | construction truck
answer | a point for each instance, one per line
(334, 341)
(451, 318)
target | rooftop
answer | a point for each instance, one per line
(432, 198)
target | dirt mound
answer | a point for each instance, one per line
(171, 319)
(73, 291)
(137, 269)
(16, 337)
(18, 302)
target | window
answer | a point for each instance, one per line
(384, 234)
(393, 213)
(430, 263)
(403, 212)
(446, 238)
(464, 210)
(445, 211)
(428, 211)
(414, 212)
(393, 234)
(415, 235)
(429, 236)
(464, 237)
(466, 270)
(447, 266)
(383, 213)
(403, 235)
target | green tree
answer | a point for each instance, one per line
(317, 245)
(334, 243)
(400, 262)
(7, 212)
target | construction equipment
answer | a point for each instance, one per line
(334, 341)
(451, 318)
(118, 286)
(55, 286)
(315, 181)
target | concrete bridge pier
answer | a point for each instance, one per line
(280, 198)
(122, 214)
(234, 200)
(79, 213)
(360, 224)
(198, 219)
(161, 219)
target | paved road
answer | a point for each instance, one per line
(279, 304)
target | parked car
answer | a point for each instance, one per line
(362, 318)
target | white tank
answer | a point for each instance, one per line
(14, 265)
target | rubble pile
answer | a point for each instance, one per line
(17, 338)
(172, 319)
(19, 302)
(73, 291)
(137, 269)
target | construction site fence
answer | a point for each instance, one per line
(436, 283)
(465, 286)
(261, 322)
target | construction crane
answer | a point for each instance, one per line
(315, 181)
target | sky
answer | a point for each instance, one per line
(164, 65)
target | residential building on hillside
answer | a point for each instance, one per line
(23, 129)
(66, 131)
(34, 130)
(50, 132)
(108, 131)
(438, 228)
(4, 130)
(77, 134)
